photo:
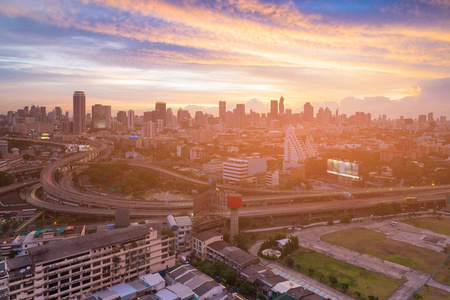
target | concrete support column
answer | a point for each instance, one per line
(234, 224)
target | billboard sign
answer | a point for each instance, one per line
(343, 168)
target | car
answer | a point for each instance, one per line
(393, 223)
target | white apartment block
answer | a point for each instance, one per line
(183, 229)
(236, 169)
(74, 266)
(298, 146)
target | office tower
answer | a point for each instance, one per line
(308, 112)
(422, 119)
(222, 110)
(58, 113)
(122, 118)
(149, 129)
(281, 106)
(160, 112)
(298, 146)
(130, 119)
(25, 110)
(101, 116)
(239, 116)
(149, 116)
(79, 112)
(273, 109)
(430, 117)
(43, 113)
(170, 118)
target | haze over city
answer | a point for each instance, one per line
(383, 57)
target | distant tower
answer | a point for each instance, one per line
(122, 219)
(160, 112)
(281, 106)
(79, 112)
(130, 124)
(308, 112)
(234, 201)
(274, 109)
(222, 110)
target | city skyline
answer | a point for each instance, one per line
(380, 57)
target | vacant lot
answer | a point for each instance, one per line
(322, 267)
(431, 293)
(443, 275)
(438, 225)
(377, 244)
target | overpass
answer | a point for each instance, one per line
(12, 187)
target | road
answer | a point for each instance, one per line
(16, 186)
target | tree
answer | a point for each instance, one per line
(219, 266)
(260, 296)
(345, 287)
(6, 178)
(372, 297)
(229, 276)
(246, 288)
(382, 209)
(310, 272)
(333, 280)
(289, 261)
(417, 296)
(75, 178)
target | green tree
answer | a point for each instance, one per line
(246, 288)
(5, 227)
(289, 261)
(382, 209)
(417, 296)
(310, 272)
(345, 287)
(229, 276)
(260, 296)
(333, 280)
(372, 297)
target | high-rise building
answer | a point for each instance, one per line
(298, 146)
(122, 118)
(160, 112)
(239, 116)
(149, 129)
(149, 116)
(281, 106)
(130, 123)
(43, 114)
(273, 109)
(430, 117)
(79, 112)
(58, 113)
(222, 110)
(308, 112)
(101, 116)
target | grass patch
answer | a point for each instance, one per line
(358, 279)
(431, 293)
(377, 244)
(443, 275)
(264, 235)
(437, 224)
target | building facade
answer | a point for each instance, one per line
(79, 112)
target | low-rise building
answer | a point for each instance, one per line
(183, 228)
(202, 240)
(232, 256)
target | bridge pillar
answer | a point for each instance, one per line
(271, 220)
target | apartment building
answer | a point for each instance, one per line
(95, 261)
(202, 240)
(236, 169)
(183, 229)
(298, 146)
(232, 256)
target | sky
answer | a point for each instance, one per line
(383, 57)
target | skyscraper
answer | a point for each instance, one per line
(239, 116)
(101, 116)
(79, 112)
(130, 124)
(308, 112)
(58, 113)
(222, 110)
(122, 118)
(281, 106)
(273, 109)
(160, 112)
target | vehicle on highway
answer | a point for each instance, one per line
(410, 199)
(393, 223)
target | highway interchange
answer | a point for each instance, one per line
(64, 197)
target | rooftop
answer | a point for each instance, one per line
(204, 236)
(232, 252)
(73, 246)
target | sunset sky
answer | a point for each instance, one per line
(389, 57)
